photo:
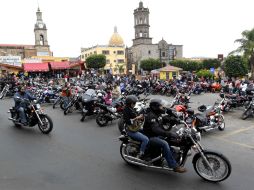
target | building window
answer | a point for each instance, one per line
(163, 54)
(114, 60)
(120, 61)
(119, 52)
(174, 74)
(95, 52)
(85, 55)
(114, 52)
(107, 61)
(82, 56)
(105, 52)
(149, 52)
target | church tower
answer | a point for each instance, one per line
(141, 25)
(41, 39)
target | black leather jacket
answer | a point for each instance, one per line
(153, 126)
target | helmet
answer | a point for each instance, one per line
(131, 99)
(202, 108)
(155, 106)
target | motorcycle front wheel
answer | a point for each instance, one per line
(221, 167)
(246, 114)
(222, 124)
(47, 124)
(101, 120)
(121, 125)
(2, 94)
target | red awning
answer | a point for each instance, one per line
(60, 65)
(36, 67)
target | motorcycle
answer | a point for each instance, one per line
(210, 118)
(249, 111)
(6, 91)
(34, 115)
(90, 107)
(209, 165)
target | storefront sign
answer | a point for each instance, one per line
(11, 60)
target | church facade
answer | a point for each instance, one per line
(143, 48)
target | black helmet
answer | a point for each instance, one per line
(155, 106)
(131, 99)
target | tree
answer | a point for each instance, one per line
(247, 48)
(235, 66)
(204, 73)
(96, 61)
(187, 65)
(210, 63)
(150, 64)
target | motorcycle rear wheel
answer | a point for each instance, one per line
(219, 163)
(101, 120)
(47, 126)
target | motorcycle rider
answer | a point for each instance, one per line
(133, 129)
(154, 130)
(66, 94)
(21, 104)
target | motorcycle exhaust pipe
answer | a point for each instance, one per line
(150, 166)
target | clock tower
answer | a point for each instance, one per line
(41, 39)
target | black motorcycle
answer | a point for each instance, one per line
(90, 101)
(249, 111)
(76, 102)
(110, 113)
(209, 165)
(34, 116)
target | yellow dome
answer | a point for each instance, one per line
(116, 39)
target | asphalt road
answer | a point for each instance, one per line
(84, 156)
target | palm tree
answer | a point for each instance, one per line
(247, 48)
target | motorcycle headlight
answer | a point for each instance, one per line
(38, 106)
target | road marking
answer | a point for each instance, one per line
(236, 132)
(234, 142)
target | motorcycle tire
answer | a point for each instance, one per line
(218, 161)
(62, 105)
(222, 126)
(2, 94)
(246, 114)
(49, 127)
(123, 150)
(101, 120)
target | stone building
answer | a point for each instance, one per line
(143, 48)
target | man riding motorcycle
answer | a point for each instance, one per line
(20, 103)
(154, 130)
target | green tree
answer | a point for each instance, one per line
(187, 65)
(247, 48)
(150, 64)
(235, 66)
(210, 63)
(205, 73)
(96, 61)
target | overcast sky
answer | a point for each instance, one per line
(204, 27)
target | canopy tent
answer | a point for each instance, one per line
(60, 65)
(36, 67)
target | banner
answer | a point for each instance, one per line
(11, 60)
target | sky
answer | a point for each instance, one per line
(205, 28)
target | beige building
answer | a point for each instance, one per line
(114, 52)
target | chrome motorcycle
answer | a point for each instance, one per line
(210, 165)
(34, 116)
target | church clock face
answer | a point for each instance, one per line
(40, 25)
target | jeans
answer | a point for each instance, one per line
(66, 101)
(139, 137)
(22, 115)
(166, 151)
